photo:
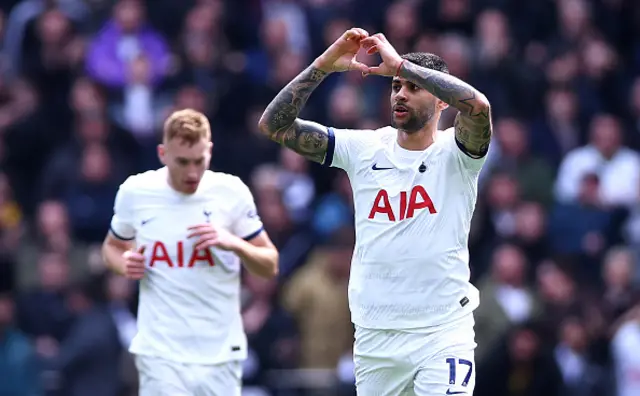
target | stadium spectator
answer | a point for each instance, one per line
(122, 40)
(520, 365)
(87, 359)
(617, 166)
(580, 374)
(20, 375)
(316, 297)
(507, 300)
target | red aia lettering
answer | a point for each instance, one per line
(159, 253)
(407, 208)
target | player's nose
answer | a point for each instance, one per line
(192, 176)
(401, 95)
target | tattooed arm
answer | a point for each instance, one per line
(473, 123)
(280, 123)
(280, 120)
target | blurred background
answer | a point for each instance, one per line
(85, 86)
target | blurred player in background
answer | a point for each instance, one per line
(415, 191)
(183, 231)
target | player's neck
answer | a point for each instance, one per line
(417, 141)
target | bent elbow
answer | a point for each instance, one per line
(270, 272)
(267, 268)
(273, 270)
(106, 245)
(483, 103)
(263, 126)
(275, 267)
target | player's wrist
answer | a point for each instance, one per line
(322, 66)
(237, 244)
(398, 67)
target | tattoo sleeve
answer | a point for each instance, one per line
(280, 120)
(473, 123)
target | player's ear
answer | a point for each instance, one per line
(161, 154)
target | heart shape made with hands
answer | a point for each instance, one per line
(342, 54)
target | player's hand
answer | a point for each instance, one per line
(391, 60)
(134, 263)
(211, 236)
(341, 55)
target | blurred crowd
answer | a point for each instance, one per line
(85, 86)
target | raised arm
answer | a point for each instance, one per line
(280, 120)
(473, 123)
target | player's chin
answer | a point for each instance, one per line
(399, 122)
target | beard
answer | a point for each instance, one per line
(415, 119)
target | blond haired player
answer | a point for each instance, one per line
(184, 231)
(414, 192)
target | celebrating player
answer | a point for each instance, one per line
(415, 191)
(183, 231)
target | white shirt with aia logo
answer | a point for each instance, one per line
(413, 210)
(189, 307)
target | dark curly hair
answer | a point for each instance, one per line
(428, 60)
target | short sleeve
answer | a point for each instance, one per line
(468, 162)
(122, 222)
(247, 223)
(345, 146)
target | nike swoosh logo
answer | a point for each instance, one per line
(450, 392)
(375, 167)
(146, 221)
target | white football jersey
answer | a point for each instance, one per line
(413, 209)
(189, 308)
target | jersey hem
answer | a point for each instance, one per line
(239, 358)
(410, 326)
